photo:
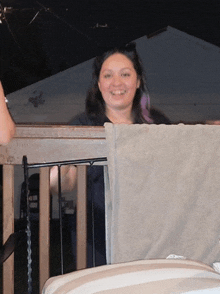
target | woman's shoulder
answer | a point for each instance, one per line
(81, 119)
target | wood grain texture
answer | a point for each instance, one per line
(81, 230)
(8, 225)
(54, 143)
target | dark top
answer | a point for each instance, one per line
(95, 202)
(83, 119)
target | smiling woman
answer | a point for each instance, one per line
(7, 126)
(117, 73)
(118, 83)
(115, 96)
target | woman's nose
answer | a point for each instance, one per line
(116, 80)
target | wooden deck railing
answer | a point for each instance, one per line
(47, 144)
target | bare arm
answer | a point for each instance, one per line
(7, 126)
(68, 178)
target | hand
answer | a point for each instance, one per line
(68, 178)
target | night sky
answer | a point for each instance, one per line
(42, 38)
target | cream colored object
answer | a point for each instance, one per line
(146, 276)
(164, 195)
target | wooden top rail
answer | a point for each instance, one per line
(43, 144)
(54, 143)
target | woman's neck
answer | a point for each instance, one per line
(119, 116)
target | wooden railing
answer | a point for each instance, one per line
(47, 144)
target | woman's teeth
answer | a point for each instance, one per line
(118, 92)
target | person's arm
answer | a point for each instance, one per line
(68, 172)
(7, 126)
(68, 178)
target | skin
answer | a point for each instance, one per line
(7, 126)
(118, 82)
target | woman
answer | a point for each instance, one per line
(115, 95)
(7, 126)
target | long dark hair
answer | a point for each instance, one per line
(95, 105)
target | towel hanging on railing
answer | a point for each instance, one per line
(163, 195)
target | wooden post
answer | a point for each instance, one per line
(8, 226)
(81, 221)
(44, 232)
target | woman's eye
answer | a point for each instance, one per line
(126, 74)
(107, 76)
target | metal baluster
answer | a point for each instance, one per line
(29, 251)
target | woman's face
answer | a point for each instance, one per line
(118, 82)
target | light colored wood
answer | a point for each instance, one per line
(58, 131)
(44, 144)
(49, 150)
(8, 226)
(81, 221)
(44, 228)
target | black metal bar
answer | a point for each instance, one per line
(29, 252)
(74, 162)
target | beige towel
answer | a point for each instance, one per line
(164, 194)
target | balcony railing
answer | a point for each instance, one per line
(48, 144)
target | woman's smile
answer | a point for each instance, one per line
(118, 92)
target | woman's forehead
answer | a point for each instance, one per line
(117, 61)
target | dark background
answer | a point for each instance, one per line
(41, 38)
